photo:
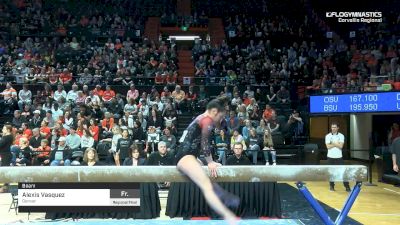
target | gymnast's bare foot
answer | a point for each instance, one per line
(231, 219)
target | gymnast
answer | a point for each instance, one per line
(198, 140)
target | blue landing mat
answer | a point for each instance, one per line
(169, 222)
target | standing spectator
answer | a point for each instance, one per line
(25, 97)
(254, 146)
(6, 141)
(269, 147)
(123, 145)
(334, 143)
(178, 96)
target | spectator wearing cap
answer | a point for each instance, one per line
(25, 97)
(73, 141)
(35, 120)
(61, 155)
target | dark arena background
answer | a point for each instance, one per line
(98, 97)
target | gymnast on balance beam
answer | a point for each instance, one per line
(198, 140)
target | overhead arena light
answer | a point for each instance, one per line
(183, 38)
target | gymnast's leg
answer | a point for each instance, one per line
(191, 167)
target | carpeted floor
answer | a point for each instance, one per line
(295, 206)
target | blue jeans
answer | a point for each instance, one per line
(221, 155)
(273, 155)
(253, 151)
(67, 162)
(14, 149)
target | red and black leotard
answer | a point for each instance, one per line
(198, 138)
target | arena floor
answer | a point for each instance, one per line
(376, 205)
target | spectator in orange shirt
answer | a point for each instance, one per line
(108, 95)
(26, 132)
(45, 130)
(246, 99)
(97, 91)
(159, 79)
(65, 77)
(268, 112)
(107, 123)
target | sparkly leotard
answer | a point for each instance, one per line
(198, 138)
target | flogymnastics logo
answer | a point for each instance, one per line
(356, 17)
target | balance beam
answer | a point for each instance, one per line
(170, 173)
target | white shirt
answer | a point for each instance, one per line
(334, 152)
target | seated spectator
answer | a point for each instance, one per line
(273, 124)
(254, 146)
(134, 158)
(268, 112)
(65, 77)
(261, 128)
(169, 140)
(108, 95)
(45, 131)
(238, 158)
(60, 92)
(153, 137)
(72, 94)
(107, 124)
(283, 95)
(222, 143)
(246, 130)
(232, 123)
(249, 92)
(155, 120)
(87, 141)
(271, 96)
(25, 153)
(42, 153)
(269, 148)
(17, 119)
(138, 134)
(61, 155)
(35, 120)
(161, 157)
(73, 141)
(25, 97)
(237, 138)
(90, 158)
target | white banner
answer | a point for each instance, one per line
(73, 197)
